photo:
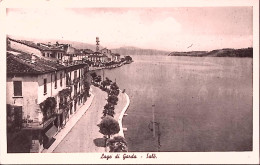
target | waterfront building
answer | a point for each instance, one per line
(98, 59)
(117, 57)
(41, 96)
(85, 53)
(109, 54)
(40, 49)
(70, 53)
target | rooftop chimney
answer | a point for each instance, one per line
(33, 59)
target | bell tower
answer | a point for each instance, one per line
(97, 43)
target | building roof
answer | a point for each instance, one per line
(97, 53)
(70, 50)
(86, 51)
(93, 56)
(22, 64)
(39, 46)
(104, 55)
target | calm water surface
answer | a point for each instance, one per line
(201, 103)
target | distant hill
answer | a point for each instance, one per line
(139, 51)
(245, 52)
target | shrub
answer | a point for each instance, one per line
(117, 144)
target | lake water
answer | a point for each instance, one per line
(201, 103)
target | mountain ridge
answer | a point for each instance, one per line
(131, 50)
(225, 52)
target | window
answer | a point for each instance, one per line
(55, 80)
(75, 90)
(17, 88)
(67, 78)
(61, 79)
(44, 86)
(75, 74)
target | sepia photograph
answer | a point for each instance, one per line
(131, 82)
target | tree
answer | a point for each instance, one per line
(122, 59)
(128, 58)
(93, 75)
(114, 92)
(107, 82)
(114, 86)
(109, 110)
(103, 84)
(48, 107)
(112, 99)
(117, 144)
(98, 79)
(108, 126)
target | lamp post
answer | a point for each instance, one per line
(158, 132)
(153, 120)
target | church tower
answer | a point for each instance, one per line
(97, 43)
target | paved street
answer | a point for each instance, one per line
(82, 135)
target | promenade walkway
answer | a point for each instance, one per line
(69, 125)
(120, 108)
(81, 137)
(81, 133)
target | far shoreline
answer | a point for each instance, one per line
(241, 53)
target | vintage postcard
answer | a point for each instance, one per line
(136, 82)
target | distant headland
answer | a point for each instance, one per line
(228, 52)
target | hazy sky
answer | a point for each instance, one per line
(173, 29)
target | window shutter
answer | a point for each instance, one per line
(17, 88)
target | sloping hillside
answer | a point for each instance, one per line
(246, 52)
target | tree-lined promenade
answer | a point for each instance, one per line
(85, 135)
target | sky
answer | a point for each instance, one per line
(171, 29)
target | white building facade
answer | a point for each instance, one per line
(32, 88)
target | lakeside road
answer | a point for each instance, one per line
(82, 135)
